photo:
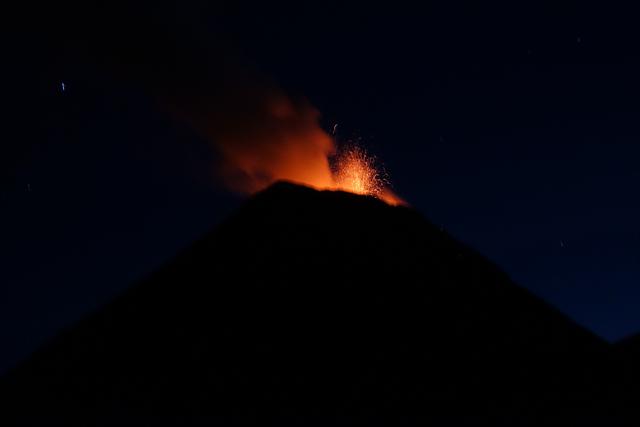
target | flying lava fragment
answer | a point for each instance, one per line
(356, 171)
(275, 138)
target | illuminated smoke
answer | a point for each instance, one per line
(274, 138)
(260, 135)
(281, 140)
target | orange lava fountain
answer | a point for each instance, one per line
(356, 171)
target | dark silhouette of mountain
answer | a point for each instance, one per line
(310, 307)
(628, 362)
(630, 345)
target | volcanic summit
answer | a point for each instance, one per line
(313, 306)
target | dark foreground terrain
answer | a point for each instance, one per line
(316, 308)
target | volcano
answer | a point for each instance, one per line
(315, 307)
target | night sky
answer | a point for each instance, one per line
(515, 129)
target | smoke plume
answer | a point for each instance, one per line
(260, 134)
(264, 136)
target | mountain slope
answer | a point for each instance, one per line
(320, 306)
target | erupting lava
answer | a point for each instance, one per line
(269, 137)
(355, 171)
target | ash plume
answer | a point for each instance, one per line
(260, 134)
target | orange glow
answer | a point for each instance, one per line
(269, 137)
(356, 171)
